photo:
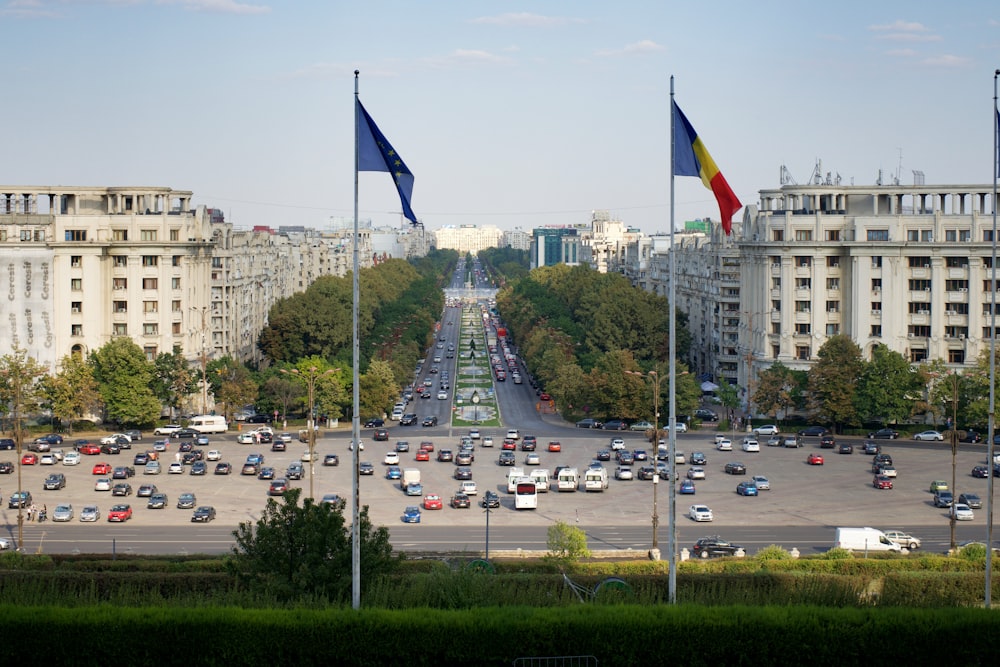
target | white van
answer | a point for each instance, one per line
(209, 424)
(513, 474)
(568, 479)
(864, 539)
(541, 479)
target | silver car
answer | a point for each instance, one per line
(762, 483)
(63, 513)
(90, 514)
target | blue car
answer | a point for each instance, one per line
(393, 472)
(687, 487)
(746, 489)
(411, 514)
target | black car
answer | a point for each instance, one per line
(871, 448)
(972, 500)
(881, 460)
(111, 448)
(366, 468)
(279, 446)
(375, 423)
(529, 443)
(709, 547)
(203, 514)
(846, 448)
(460, 501)
(55, 481)
(827, 442)
(267, 472)
(186, 446)
(7, 443)
(121, 489)
(134, 435)
(381, 435)
(616, 425)
(970, 436)
(506, 458)
(295, 471)
(706, 415)
(6, 467)
(736, 468)
(409, 419)
(331, 460)
(981, 471)
(884, 434)
(490, 500)
(646, 473)
(814, 431)
(698, 459)
(603, 455)
(588, 423)
(122, 472)
(259, 419)
(199, 468)
(186, 434)
(463, 473)
(430, 421)
(157, 501)
(223, 468)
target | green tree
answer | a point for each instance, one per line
(125, 380)
(232, 385)
(72, 393)
(378, 389)
(175, 380)
(833, 381)
(773, 395)
(887, 387)
(304, 551)
(22, 385)
(978, 378)
(567, 543)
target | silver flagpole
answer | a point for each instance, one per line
(355, 419)
(993, 355)
(672, 435)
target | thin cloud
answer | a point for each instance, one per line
(525, 20)
(467, 57)
(905, 31)
(29, 9)
(218, 6)
(641, 47)
(946, 60)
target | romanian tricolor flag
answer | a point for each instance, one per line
(691, 158)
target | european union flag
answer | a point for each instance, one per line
(375, 153)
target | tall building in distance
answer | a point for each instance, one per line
(468, 238)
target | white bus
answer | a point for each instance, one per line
(526, 494)
(209, 424)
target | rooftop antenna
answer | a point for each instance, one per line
(899, 167)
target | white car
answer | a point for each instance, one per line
(285, 438)
(767, 429)
(700, 513)
(903, 539)
(442, 395)
(391, 459)
(169, 429)
(513, 434)
(47, 459)
(680, 457)
(532, 459)
(681, 427)
(175, 469)
(751, 445)
(213, 455)
(305, 456)
(623, 472)
(963, 512)
(929, 435)
(4, 544)
(762, 482)
(696, 473)
(724, 445)
(468, 487)
(616, 444)
(71, 459)
(474, 433)
(488, 441)
(102, 484)
(888, 471)
(113, 438)
(245, 438)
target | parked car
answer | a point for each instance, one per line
(186, 501)
(411, 514)
(589, 423)
(90, 514)
(120, 513)
(490, 500)
(736, 468)
(700, 513)
(706, 415)
(962, 512)
(882, 482)
(981, 471)
(814, 431)
(971, 499)
(746, 489)
(762, 483)
(686, 488)
(203, 514)
(766, 429)
(883, 434)
(929, 435)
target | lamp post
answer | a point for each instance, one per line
(954, 453)
(310, 375)
(654, 552)
(204, 361)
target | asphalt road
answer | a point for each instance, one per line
(801, 510)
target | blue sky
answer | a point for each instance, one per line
(516, 114)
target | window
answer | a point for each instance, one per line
(912, 235)
(26, 235)
(150, 352)
(878, 234)
(956, 332)
(803, 262)
(832, 329)
(776, 306)
(957, 262)
(76, 284)
(920, 285)
(919, 262)
(120, 306)
(175, 306)
(119, 283)
(778, 235)
(803, 283)
(964, 235)
(175, 235)
(76, 306)
(175, 283)
(217, 262)
(918, 331)
(76, 234)
(150, 329)
(986, 333)
(959, 308)
(926, 235)
(917, 354)
(803, 235)
(802, 306)
(803, 329)
(956, 286)
(833, 306)
(149, 283)
(76, 261)
(775, 351)
(951, 235)
(147, 234)
(175, 328)
(775, 262)
(175, 260)
(876, 284)
(990, 285)
(76, 330)
(833, 235)
(876, 330)
(988, 235)
(876, 262)
(833, 283)
(119, 235)
(150, 306)
(119, 261)
(3, 234)
(775, 283)
(919, 308)
(833, 262)
(119, 329)
(956, 356)
(150, 260)
(877, 306)
(801, 351)
(776, 328)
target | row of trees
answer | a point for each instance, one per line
(595, 343)
(846, 390)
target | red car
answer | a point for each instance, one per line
(89, 449)
(427, 445)
(555, 446)
(432, 502)
(508, 443)
(120, 513)
(423, 455)
(882, 482)
(29, 459)
(101, 469)
(815, 460)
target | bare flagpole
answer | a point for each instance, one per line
(993, 352)
(355, 418)
(672, 435)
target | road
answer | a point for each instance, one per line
(803, 508)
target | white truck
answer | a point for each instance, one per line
(568, 479)
(410, 476)
(512, 476)
(541, 478)
(595, 479)
(864, 539)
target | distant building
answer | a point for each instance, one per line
(557, 245)
(468, 238)
(517, 239)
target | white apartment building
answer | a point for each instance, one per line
(468, 238)
(518, 239)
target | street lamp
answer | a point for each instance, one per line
(475, 402)
(654, 552)
(310, 376)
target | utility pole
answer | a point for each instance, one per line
(204, 359)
